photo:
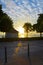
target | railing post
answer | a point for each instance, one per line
(5, 54)
(28, 49)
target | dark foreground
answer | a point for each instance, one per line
(33, 60)
(21, 56)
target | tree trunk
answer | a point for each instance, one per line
(27, 34)
(40, 34)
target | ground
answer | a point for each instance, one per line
(35, 57)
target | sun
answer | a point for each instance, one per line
(21, 30)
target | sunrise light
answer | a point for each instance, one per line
(20, 29)
(21, 32)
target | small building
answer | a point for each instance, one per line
(12, 34)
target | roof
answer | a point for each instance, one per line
(13, 31)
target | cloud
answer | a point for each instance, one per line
(26, 10)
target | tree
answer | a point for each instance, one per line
(1, 12)
(39, 26)
(27, 27)
(6, 23)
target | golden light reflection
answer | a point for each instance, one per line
(19, 44)
(17, 49)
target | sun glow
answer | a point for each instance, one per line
(20, 29)
(21, 32)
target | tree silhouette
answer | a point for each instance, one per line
(1, 12)
(39, 26)
(6, 23)
(28, 27)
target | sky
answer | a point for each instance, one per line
(22, 11)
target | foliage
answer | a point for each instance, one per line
(27, 27)
(6, 23)
(40, 23)
(1, 12)
(39, 26)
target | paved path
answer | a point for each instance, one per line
(33, 60)
(36, 56)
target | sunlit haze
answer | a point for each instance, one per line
(21, 30)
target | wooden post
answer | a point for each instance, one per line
(28, 50)
(5, 55)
